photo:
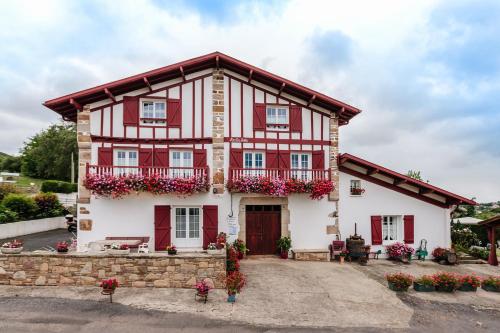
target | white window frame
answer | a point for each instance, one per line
(175, 170)
(253, 165)
(397, 223)
(301, 171)
(188, 241)
(355, 183)
(156, 117)
(127, 162)
(273, 121)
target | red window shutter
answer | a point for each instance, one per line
(160, 157)
(376, 230)
(174, 113)
(105, 156)
(210, 224)
(409, 226)
(130, 110)
(295, 118)
(199, 158)
(318, 160)
(145, 157)
(272, 160)
(284, 160)
(162, 227)
(236, 158)
(259, 117)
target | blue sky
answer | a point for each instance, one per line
(425, 73)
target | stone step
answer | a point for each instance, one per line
(466, 258)
(472, 261)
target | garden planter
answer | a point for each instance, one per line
(231, 298)
(11, 250)
(212, 252)
(467, 287)
(284, 254)
(445, 289)
(341, 259)
(172, 253)
(117, 251)
(201, 296)
(62, 251)
(423, 287)
(491, 288)
(393, 287)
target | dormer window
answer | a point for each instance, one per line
(277, 116)
(153, 112)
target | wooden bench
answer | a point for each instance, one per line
(311, 254)
(142, 240)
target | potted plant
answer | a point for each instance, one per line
(445, 282)
(240, 247)
(399, 281)
(119, 249)
(62, 247)
(212, 249)
(439, 253)
(424, 283)
(342, 256)
(400, 251)
(13, 247)
(469, 282)
(357, 191)
(491, 283)
(234, 283)
(232, 262)
(284, 244)
(202, 289)
(220, 241)
(171, 249)
(108, 288)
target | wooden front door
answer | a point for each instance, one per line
(263, 228)
(162, 227)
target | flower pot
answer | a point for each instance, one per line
(231, 298)
(445, 289)
(467, 287)
(423, 287)
(172, 253)
(490, 288)
(393, 287)
(341, 259)
(107, 291)
(62, 251)
(212, 252)
(117, 251)
(284, 254)
(11, 250)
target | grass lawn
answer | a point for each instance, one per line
(26, 181)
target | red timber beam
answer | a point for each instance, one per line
(146, 81)
(110, 95)
(108, 139)
(250, 74)
(182, 74)
(217, 62)
(311, 100)
(281, 89)
(372, 172)
(398, 182)
(77, 105)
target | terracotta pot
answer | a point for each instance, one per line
(284, 254)
(341, 259)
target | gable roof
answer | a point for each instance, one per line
(68, 105)
(400, 183)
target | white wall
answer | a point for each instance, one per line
(22, 228)
(431, 222)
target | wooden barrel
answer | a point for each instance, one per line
(355, 246)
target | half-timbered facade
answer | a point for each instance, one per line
(213, 144)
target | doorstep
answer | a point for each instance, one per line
(311, 254)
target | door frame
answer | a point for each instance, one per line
(173, 238)
(266, 246)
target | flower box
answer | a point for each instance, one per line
(399, 281)
(423, 287)
(490, 288)
(467, 287)
(214, 252)
(117, 251)
(11, 250)
(395, 287)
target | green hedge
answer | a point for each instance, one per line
(56, 186)
(20, 207)
(24, 206)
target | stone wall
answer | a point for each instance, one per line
(134, 270)
(218, 130)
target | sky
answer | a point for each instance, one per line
(425, 73)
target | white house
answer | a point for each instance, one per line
(187, 139)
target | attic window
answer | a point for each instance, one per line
(153, 112)
(277, 116)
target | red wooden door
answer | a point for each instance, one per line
(263, 229)
(162, 227)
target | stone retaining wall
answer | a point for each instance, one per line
(133, 270)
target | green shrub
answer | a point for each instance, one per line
(56, 186)
(6, 215)
(48, 205)
(479, 253)
(24, 206)
(6, 188)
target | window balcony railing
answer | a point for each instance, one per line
(285, 174)
(163, 172)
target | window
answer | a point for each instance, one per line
(181, 163)
(300, 164)
(187, 227)
(277, 116)
(356, 187)
(255, 162)
(391, 228)
(153, 111)
(126, 158)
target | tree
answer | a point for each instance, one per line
(414, 174)
(47, 155)
(11, 164)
